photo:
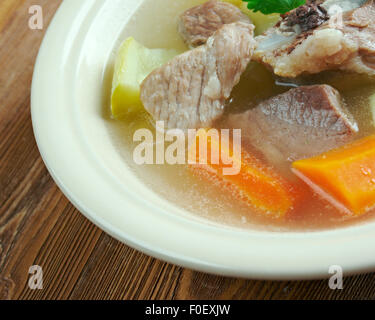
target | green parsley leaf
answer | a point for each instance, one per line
(274, 6)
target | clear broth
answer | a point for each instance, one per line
(155, 25)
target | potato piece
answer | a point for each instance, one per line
(237, 3)
(133, 64)
(261, 21)
(372, 106)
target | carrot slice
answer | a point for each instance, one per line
(255, 183)
(347, 174)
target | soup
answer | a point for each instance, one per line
(155, 26)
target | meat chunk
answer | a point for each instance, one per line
(190, 90)
(306, 42)
(300, 123)
(199, 23)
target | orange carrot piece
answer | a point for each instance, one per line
(258, 185)
(347, 174)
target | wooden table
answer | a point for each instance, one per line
(38, 225)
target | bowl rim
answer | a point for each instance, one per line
(203, 247)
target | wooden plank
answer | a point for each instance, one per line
(39, 226)
(7, 9)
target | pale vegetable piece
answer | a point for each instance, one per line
(133, 64)
(372, 106)
(261, 21)
(237, 3)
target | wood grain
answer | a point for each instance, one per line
(39, 226)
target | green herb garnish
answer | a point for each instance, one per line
(274, 6)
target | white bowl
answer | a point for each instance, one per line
(67, 98)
